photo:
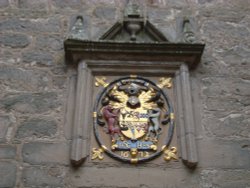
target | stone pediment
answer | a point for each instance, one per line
(134, 39)
(122, 31)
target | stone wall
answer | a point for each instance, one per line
(34, 80)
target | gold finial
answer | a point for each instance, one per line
(97, 154)
(170, 154)
(165, 82)
(101, 82)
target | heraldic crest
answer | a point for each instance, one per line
(134, 120)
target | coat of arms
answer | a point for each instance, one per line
(134, 120)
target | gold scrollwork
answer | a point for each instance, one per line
(165, 82)
(170, 154)
(153, 147)
(101, 82)
(114, 146)
(97, 154)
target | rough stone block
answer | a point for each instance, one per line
(205, 1)
(37, 127)
(225, 178)
(134, 177)
(49, 42)
(43, 177)
(45, 153)
(42, 58)
(23, 80)
(14, 40)
(105, 13)
(24, 25)
(7, 152)
(4, 125)
(223, 154)
(67, 3)
(7, 174)
(4, 3)
(31, 4)
(228, 126)
(216, 86)
(30, 103)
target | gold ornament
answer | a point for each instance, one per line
(97, 154)
(170, 154)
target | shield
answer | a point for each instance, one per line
(133, 123)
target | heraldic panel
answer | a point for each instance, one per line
(133, 120)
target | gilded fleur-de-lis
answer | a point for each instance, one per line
(165, 82)
(97, 154)
(170, 154)
(101, 82)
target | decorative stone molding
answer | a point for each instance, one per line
(136, 47)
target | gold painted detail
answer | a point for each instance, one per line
(165, 82)
(133, 152)
(134, 161)
(97, 154)
(94, 114)
(171, 115)
(153, 147)
(101, 82)
(163, 147)
(133, 76)
(114, 146)
(170, 154)
(104, 147)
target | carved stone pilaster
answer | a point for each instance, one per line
(81, 115)
(185, 118)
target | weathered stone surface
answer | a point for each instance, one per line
(216, 86)
(223, 154)
(7, 152)
(106, 13)
(30, 103)
(59, 82)
(222, 13)
(49, 42)
(7, 174)
(14, 40)
(38, 4)
(98, 2)
(66, 3)
(229, 126)
(34, 25)
(4, 3)
(133, 177)
(205, 1)
(46, 153)
(4, 125)
(225, 178)
(22, 80)
(167, 3)
(32, 31)
(42, 58)
(37, 127)
(43, 177)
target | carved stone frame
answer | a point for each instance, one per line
(113, 58)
